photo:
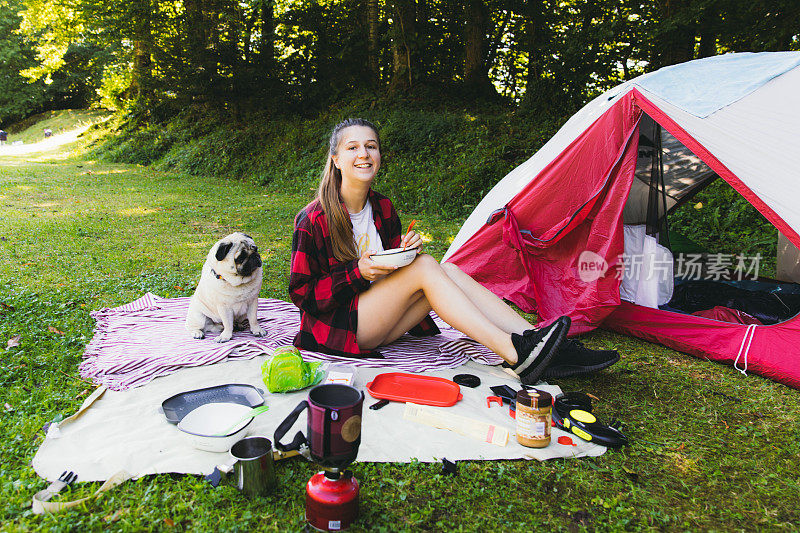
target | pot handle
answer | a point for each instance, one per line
(284, 426)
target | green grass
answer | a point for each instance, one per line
(711, 450)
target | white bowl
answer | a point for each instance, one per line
(203, 426)
(395, 257)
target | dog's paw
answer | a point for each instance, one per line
(224, 337)
(258, 331)
(198, 334)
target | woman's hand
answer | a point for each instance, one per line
(372, 271)
(411, 240)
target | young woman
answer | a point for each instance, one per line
(350, 305)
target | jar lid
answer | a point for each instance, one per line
(535, 398)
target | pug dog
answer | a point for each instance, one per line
(228, 289)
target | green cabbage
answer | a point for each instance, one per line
(286, 371)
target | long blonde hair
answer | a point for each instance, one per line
(328, 194)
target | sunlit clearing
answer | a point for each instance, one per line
(115, 171)
(136, 211)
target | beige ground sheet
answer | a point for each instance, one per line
(125, 430)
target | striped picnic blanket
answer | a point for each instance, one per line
(140, 341)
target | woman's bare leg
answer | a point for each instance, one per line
(495, 309)
(491, 306)
(383, 307)
(414, 315)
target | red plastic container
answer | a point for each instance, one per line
(424, 390)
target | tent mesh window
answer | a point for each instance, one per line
(667, 176)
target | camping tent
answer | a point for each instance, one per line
(555, 223)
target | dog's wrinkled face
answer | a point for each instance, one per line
(237, 254)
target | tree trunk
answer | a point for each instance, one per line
(709, 27)
(235, 27)
(196, 43)
(373, 44)
(533, 40)
(237, 79)
(323, 53)
(675, 43)
(142, 69)
(195, 32)
(404, 35)
(423, 27)
(247, 40)
(476, 71)
(142, 49)
(267, 43)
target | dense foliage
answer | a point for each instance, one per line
(438, 159)
(18, 98)
(278, 55)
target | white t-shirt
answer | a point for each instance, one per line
(365, 233)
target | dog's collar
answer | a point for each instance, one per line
(214, 273)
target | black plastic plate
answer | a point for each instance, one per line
(178, 406)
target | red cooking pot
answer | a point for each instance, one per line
(334, 425)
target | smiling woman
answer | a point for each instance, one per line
(351, 304)
(348, 173)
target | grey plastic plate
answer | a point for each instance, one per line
(178, 406)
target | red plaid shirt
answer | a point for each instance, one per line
(326, 289)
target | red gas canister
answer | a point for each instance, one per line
(331, 500)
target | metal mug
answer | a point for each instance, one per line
(254, 467)
(334, 425)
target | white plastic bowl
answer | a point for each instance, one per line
(203, 425)
(395, 257)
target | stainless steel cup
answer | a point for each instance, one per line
(254, 468)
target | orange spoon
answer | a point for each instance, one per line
(409, 230)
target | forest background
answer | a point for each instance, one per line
(227, 107)
(463, 90)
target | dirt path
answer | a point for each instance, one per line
(48, 146)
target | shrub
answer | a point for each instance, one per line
(436, 158)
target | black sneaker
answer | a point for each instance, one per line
(535, 349)
(573, 359)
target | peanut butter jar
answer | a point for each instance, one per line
(534, 418)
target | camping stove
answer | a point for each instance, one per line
(331, 500)
(334, 434)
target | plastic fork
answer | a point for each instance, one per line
(409, 230)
